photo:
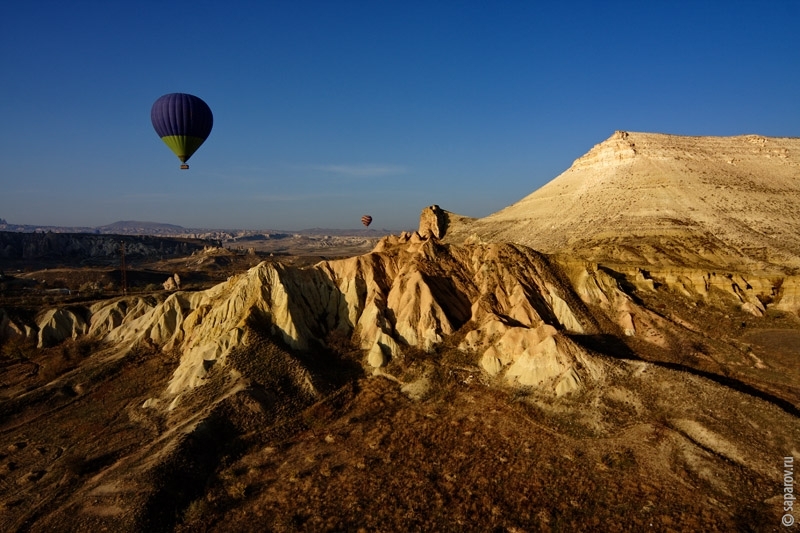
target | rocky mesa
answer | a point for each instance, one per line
(656, 199)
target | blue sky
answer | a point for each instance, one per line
(324, 111)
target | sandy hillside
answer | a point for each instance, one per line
(654, 198)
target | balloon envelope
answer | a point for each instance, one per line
(366, 220)
(183, 121)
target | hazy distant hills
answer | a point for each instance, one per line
(664, 199)
(136, 227)
(155, 239)
(122, 227)
(144, 228)
(75, 247)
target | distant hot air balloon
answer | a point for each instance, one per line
(183, 122)
(366, 220)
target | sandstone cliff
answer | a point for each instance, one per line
(31, 246)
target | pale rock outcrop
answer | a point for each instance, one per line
(618, 148)
(376, 357)
(598, 287)
(56, 325)
(412, 293)
(539, 357)
(420, 320)
(625, 321)
(787, 294)
(562, 310)
(540, 362)
(10, 328)
(199, 358)
(109, 315)
(488, 331)
(490, 361)
(359, 301)
(517, 284)
(173, 283)
(386, 242)
(433, 221)
(520, 308)
(749, 291)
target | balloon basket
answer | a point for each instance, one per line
(184, 167)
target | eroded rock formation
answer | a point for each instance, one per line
(433, 221)
(412, 294)
(518, 310)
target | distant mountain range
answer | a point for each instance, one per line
(122, 227)
(136, 227)
(149, 228)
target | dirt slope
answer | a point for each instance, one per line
(422, 386)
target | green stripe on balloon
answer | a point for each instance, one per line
(183, 145)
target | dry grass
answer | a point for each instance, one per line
(471, 461)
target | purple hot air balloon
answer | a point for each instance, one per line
(183, 121)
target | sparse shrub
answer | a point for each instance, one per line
(415, 354)
(457, 357)
(342, 344)
(765, 299)
(16, 347)
(620, 460)
(79, 348)
(236, 490)
(143, 349)
(91, 289)
(519, 393)
(195, 511)
(73, 464)
(699, 347)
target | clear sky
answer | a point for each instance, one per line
(327, 110)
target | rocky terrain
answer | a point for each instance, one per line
(461, 377)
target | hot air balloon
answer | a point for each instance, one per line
(366, 220)
(183, 121)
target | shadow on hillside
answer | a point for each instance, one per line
(613, 346)
(454, 302)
